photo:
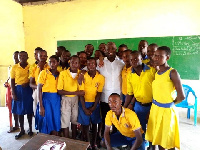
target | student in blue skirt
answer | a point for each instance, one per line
(22, 102)
(49, 100)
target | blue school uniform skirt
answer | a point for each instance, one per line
(51, 120)
(24, 103)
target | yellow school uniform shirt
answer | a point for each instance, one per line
(145, 61)
(162, 127)
(20, 74)
(92, 85)
(48, 80)
(128, 122)
(67, 83)
(36, 71)
(31, 68)
(125, 73)
(59, 68)
(141, 86)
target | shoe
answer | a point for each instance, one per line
(30, 133)
(13, 129)
(19, 135)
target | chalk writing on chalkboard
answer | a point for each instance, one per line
(189, 45)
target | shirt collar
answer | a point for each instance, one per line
(146, 57)
(122, 114)
(144, 68)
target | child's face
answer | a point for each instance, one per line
(42, 56)
(36, 55)
(135, 60)
(23, 57)
(15, 57)
(74, 64)
(151, 51)
(160, 58)
(142, 47)
(58, 52)
(97, 54)
(89, 50)
(65, 56)
(120, 50)
(91, 65)
(53, 63)
(83, 59)
(126, 58)
(102, 47)
(114, 103)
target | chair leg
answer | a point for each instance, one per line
(188, 113)
(195, 115)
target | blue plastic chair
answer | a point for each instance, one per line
(184, 104)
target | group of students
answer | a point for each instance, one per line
(125, 97)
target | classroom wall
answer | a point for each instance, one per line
(11, 38)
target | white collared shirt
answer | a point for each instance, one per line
(112, 73)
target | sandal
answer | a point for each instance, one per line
(19, 135)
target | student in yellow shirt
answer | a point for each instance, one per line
(127, 123)
(162, 127)
(142, 48)
(69, 89)
(9, 97)
(64, 61)
(49, 100)
(121, 48)
(22, 103)
(139, 88)
(89, 108)
(125, 72)
(151, 49)
(34, 73)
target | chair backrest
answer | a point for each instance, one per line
(187, 89)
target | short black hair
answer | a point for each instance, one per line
(55, 57)
(91, 58)
(123, 45)
(128, 50)
(136, 52)
(99, 51)
(74, 56)
(16, 52)
(23, 52)
(153, 44)
(38, 48)
(61, 48)
(144, 41)
(42, 51)
(166, 49)
(115, 94)
(89, 45)
(81, 53)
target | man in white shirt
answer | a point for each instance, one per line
(111, 70)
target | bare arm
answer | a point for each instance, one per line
(131, 104)
(87, 111)
(128, 100)
(32, 83)
(175, 77)
(13, 89)
(138, 140)
(39, 96)
(97, 99)
(107, 137)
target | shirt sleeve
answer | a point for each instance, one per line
(101, 84)
(129, 85)
(60, 85)
(42, 77)
(108, 121)
(12, 72)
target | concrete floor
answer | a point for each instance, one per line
(189, 134)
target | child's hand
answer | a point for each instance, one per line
(81, 77)
(80, 93)
(25, 84)
(101, 63)
(87, 112)
(42, 111)
(91, 109)
(14, 96)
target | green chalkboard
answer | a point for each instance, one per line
(185, 55)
